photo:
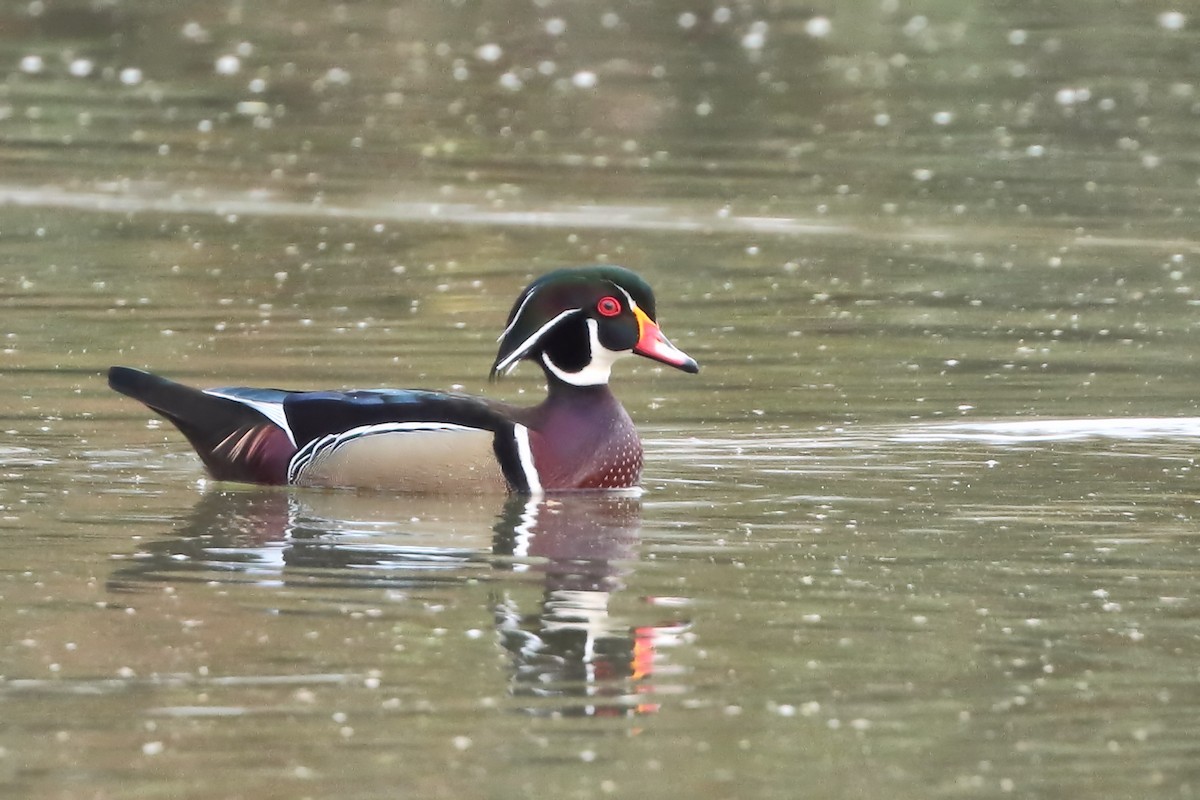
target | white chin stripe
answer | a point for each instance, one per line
(597, 371)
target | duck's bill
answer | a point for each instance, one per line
(652, 344)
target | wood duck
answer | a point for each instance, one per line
(575, 323)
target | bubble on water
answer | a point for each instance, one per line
(818, 27)
(943, 117)
(923, 174)
(883, 120)
(257, 86)
(1068, 96)
(252, 108)
(228, 64)
(490, 52)
(130, 76)
(610, 19)
(152, 748)
(511, 81)
(584, 79)
(32, 64)
(1172, 20)
(81, 67)
(756, 37)
(721, 15)
(916, 25)
(556, 26)
(195, 32)
(703, 108)
(1018, 37)
(687, 20)
(1035, 151)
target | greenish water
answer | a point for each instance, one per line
(923, 526)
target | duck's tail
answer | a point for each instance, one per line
(235, 440)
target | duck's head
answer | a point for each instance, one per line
(576, 322)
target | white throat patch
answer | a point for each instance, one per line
(598, 370)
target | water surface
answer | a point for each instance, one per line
(923, 526)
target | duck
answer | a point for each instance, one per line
(575, 323)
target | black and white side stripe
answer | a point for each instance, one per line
(515, 454)
(323, 446)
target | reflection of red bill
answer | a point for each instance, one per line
(652, 344)
(643, 664)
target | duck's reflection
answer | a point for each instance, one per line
(583, 546)
(570, 652)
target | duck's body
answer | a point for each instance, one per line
(574, 323)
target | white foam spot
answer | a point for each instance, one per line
(818, 27)
(1172, 20)
(490, 52)
(228, 64)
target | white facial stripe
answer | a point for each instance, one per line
(528, 344)
(632, 303)
(516, 317)
(272, 411)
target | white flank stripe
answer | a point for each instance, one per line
(272, 411)
(525, 456)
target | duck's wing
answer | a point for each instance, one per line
(406, 440)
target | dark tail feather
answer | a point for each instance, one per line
(235, 441)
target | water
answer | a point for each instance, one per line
(923, 526)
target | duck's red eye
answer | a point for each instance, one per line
(608, 306)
